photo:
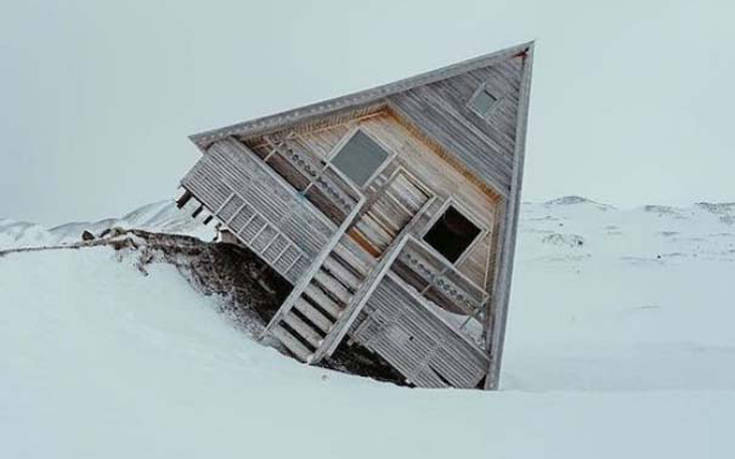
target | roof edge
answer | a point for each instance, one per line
(320, 108)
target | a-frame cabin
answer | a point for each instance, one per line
(391, 211)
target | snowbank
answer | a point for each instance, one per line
(101, 361)
(619, 347)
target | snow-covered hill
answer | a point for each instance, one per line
(162, 216)
(608, 299)
(619, 345)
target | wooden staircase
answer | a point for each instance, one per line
(322, 306)
(321, 295)
(305, 319)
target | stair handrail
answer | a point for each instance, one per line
(359, 299)
(316, 264)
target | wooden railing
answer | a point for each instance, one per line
(420, 266)
(361, 296)
(320, 182)
(316, 264)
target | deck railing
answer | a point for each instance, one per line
(437, 280)
(319, 181)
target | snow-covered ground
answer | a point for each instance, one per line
(617, 300)
(162, 216)
(619, 344)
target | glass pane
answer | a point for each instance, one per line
(483, 102)
(359, 158)
(452, 234)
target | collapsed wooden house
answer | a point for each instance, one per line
(391, 211)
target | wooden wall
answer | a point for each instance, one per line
(445, 178)
(266, 213)
(415, 340)
(440, 109)
(437, 139)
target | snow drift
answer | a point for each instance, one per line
(617, 347)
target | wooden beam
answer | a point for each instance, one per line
(501, 294)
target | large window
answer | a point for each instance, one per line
(451, 234)
(359, 158)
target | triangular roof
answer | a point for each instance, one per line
(325, 107)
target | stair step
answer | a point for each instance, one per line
(303, 329)
(351, 259)
(313, 314)
(333, 286)
(323, 300)
(343, 274)
(372, 230)
(292, 344)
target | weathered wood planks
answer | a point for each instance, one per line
(408, 333)
(271, 182)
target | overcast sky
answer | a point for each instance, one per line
(631, 102)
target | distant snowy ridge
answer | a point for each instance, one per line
(162, 216)
(565, 223)
(577, 200)
(574, 228)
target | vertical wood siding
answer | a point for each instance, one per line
(416, 341)
(440, 110)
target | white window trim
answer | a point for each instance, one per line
(493, 107)
(343, 141)
(469, 215)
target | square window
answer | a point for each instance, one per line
(483, 102)
(359, 158)
(451, 234)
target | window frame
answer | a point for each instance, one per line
(484, 87)
(344, 141)
(466, 213)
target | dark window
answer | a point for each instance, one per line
(483, 102)
(451, 234)
(359, 158)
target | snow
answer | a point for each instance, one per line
(162, 216)
(618, 347)
(644, 303)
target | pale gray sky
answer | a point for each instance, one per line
(631, 100)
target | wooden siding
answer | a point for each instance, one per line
(415, 340)
(440, 176)
(475, 264)
(440, 111)
(263, 207)
(436, 279)
(507, 239)
(422, 162)
(289, 214)
(396, 202)
(348, 105)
